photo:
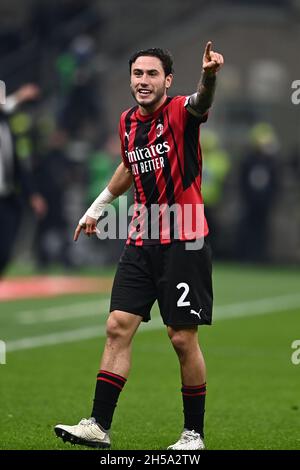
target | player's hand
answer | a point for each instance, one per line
(89, 228)
(212, 61)
(39, 205)
(27, 92)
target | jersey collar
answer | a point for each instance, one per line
(149, 117)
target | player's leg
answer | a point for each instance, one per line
(120, 329)
(115, 365)
(185, 343)
(193, 379)
(185, 300)
(133, 295)
(114, 369)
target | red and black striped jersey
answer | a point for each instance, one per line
(162, 151)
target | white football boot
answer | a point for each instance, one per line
(87, 433)
(189, 440)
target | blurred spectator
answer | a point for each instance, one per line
(81, 113)
(52, 26)
(294, 161)
(53, 175)
(56, 22)
(258, 188)
(102, 163)
(216, 165)
(16, 178)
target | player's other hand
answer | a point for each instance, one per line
(39, 205)
(212, 61)
(28, 92)
(89, 228)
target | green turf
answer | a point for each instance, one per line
(253, 399)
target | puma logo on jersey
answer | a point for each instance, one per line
(196, 313)
(127, 135)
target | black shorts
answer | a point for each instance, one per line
(179, 279)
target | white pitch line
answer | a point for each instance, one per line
(258, 307)
(69, 336)
(94, 308)
(55, 338)
(67, 312)
(223, 312)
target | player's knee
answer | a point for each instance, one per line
(180, 341)
(114, 326)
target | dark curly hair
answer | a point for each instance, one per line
(164, 56)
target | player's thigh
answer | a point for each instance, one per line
(133, 289)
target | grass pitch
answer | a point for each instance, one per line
(253, 401)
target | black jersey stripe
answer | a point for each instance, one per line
(170, 190)
(175, 145)
(167, 167)
(191, 145)
(148, 179)
(128, 124)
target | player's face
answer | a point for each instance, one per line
(149, 83)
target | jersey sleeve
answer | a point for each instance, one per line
(201, 117)
(182, 111)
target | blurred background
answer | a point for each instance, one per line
(76, 53)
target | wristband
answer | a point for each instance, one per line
(96, 209)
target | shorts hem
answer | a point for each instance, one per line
(188, 324)
(145, 318)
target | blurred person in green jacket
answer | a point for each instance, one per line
(216, 166)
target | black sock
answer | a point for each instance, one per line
(108, 389)
(193, 407)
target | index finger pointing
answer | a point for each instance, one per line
(77, 232)
(208, 49)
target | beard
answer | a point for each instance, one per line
(145, 102)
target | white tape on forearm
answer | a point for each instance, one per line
(96, 209)
(10, 105)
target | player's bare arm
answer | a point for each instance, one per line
(201, 101)
(121, 181)
(119, 184)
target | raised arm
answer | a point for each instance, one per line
(25, 93)
(119, 184)
(200, 102)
